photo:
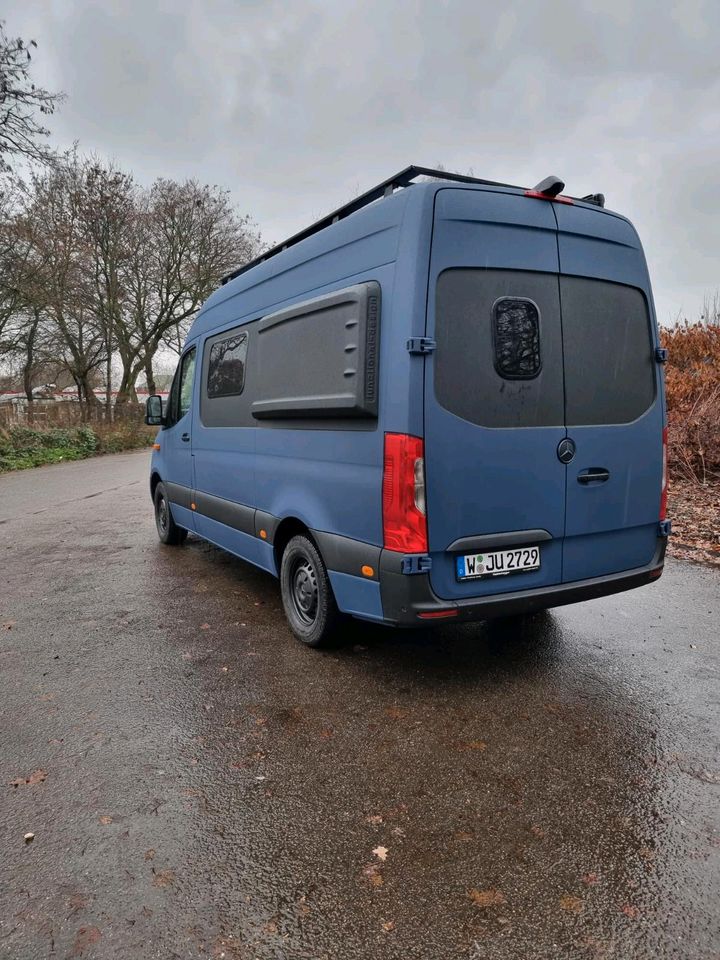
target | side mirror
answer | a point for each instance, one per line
(154, 411)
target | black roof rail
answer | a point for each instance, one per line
(402, 179)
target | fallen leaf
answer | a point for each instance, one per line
(36, 777)
(388, 925)
(571, 904)
(375, 819)
(163, 878)
(372, 874)
(538, 831)
(487, 898)
(462, 835)
(590, 879)
(381, 853)
(630, 911)
(78, 901)
(150, 854)
(396, 713)
(204, 626)
(105, 820)
(472, 745)
(86, 937)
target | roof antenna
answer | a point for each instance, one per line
(550, 186)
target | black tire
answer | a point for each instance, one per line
(168, 531)
(307, 595)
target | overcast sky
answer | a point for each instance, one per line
(296, 106)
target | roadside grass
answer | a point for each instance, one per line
(22, 447)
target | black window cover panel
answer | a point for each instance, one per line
(320, 358)
(516, 337)
(609, 361)
(467, 381)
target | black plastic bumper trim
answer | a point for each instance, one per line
(405, 598)
(235, 515)
(344, 555)
(499, 541)
(179, 494)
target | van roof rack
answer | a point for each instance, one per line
(402, 179)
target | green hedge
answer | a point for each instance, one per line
(22, 447)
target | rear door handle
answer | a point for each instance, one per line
(185, 437)
(594, 475)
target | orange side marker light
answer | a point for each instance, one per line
(367, 571)
(193, 507)
(156, 446)
(263, 534)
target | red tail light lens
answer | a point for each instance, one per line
(404, 523)
(664, 488)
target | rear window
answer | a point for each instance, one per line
(609, 362)
(498, 361)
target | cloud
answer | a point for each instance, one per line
(295, 107)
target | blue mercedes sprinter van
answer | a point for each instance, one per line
(442, 402)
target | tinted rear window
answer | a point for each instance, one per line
(609, 362)
(499, 348)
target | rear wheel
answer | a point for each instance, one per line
(307, 594)
(167, 529)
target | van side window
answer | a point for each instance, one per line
(516, 338)
(186, 382)
(181, 390)
(226, 370)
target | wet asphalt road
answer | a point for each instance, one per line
(211, 788)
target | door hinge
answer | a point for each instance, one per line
(665, 528)
(661, 354)
(420, 345)
(416, 564)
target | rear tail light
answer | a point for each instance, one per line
(664, 488)
(404, 523)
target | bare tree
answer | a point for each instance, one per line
(21, 101)
(92, 267)
(186, 237)
(107, 213)
(51, 225)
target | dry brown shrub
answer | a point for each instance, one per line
(693, 398)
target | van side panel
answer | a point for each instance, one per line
(327, 474)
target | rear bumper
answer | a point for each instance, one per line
(406, 598)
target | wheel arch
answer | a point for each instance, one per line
(155, 479)
(288, 528)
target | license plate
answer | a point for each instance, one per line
(498, 563)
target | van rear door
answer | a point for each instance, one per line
(494, 405)
(613, 395)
